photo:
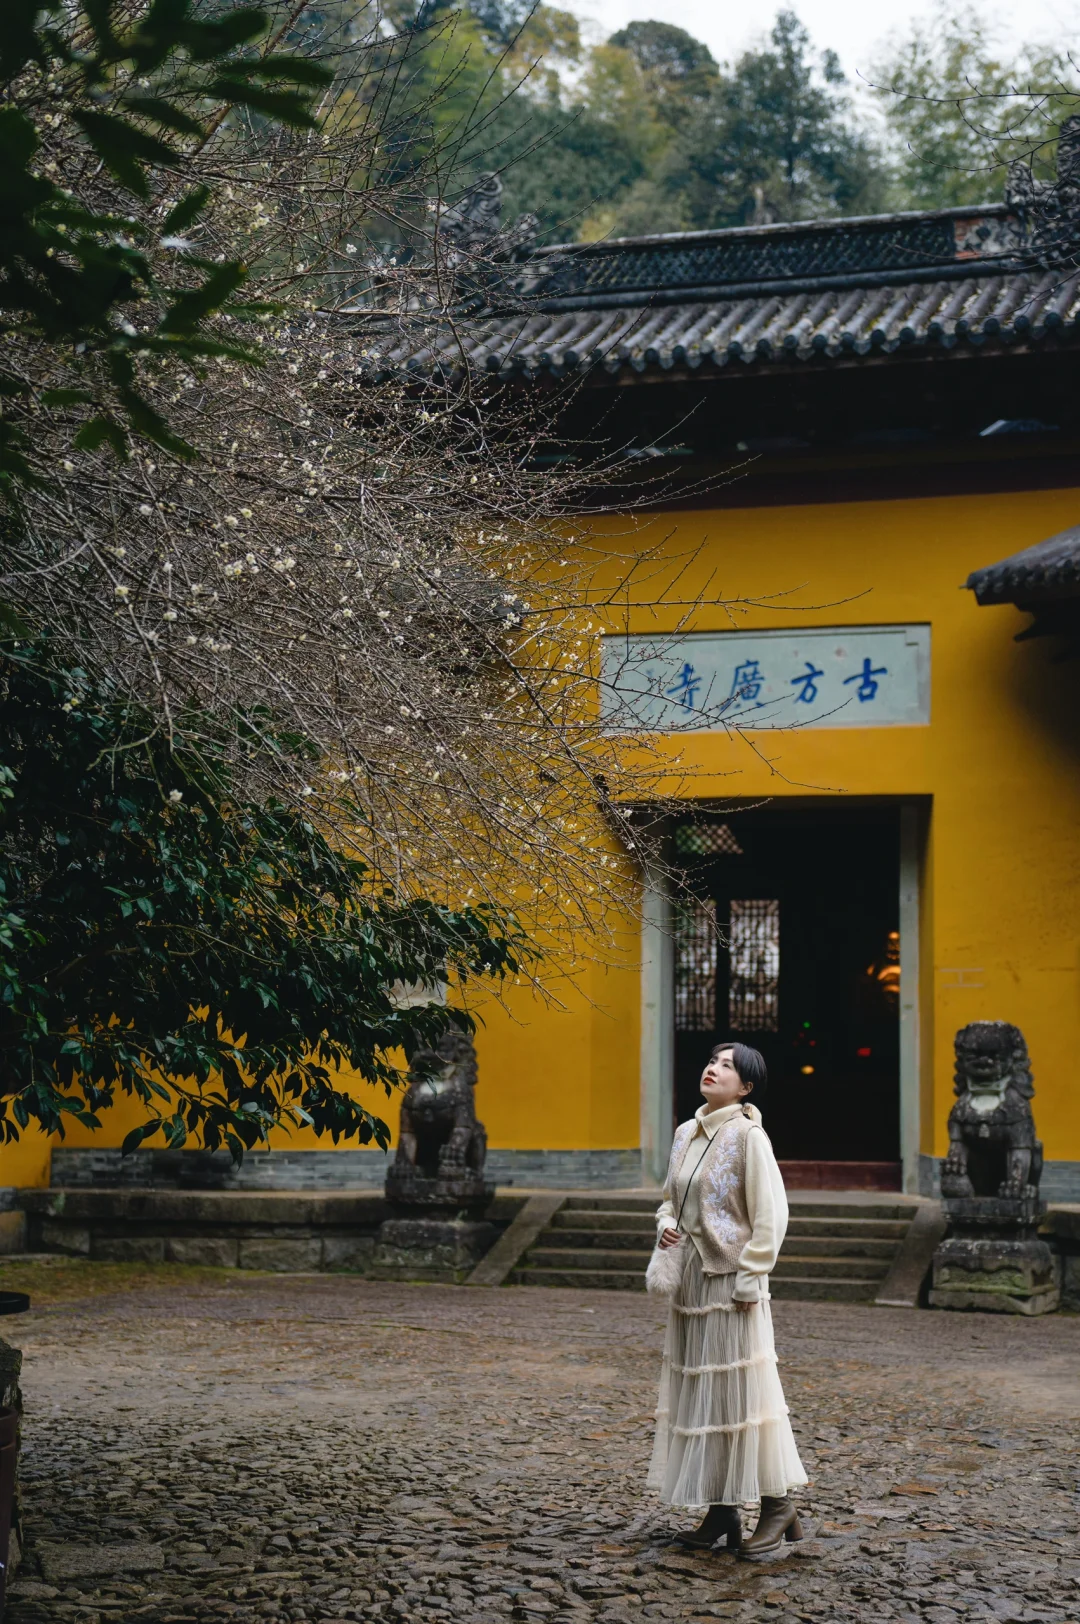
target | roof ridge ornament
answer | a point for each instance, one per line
(472, 227)
(1049, 210)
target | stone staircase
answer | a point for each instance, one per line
(836, 1250)
(603, 1241)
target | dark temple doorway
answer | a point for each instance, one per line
(791, 943)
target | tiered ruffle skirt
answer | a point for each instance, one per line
(722, 1428)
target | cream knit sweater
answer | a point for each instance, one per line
(736, 1210)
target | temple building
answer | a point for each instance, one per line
(866, 435)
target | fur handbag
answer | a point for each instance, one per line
(663, 1277)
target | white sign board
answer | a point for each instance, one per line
(820, 676)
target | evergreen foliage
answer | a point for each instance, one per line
(70, 272)
(774, 140)
(219, 961)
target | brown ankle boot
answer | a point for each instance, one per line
(719, 1520)
(779, 1521)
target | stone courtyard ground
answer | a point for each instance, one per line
(203, 1446)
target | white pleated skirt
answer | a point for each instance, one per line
(722, 1428)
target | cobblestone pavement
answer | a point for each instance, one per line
(319, 1448)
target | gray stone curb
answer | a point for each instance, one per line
(903, 1283)
(515, 1241)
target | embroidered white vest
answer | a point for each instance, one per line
(721, 1190)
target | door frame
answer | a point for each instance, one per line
(657, 1027)
(658, 1011)
(911, 825)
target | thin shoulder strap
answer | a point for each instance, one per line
(690, 1180)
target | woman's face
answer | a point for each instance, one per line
(720, 1083)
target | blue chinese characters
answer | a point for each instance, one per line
(685, 688)
(808, 679)
(748, 681)
(867, 688)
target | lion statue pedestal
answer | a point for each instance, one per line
(991, 1257)
(436, 1187)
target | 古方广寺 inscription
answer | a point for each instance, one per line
(846, 676)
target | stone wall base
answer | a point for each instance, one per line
(101, 1168)
(283, 1232)
(1061, 1229)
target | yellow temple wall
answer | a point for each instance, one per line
(997, 768)
(997, 771)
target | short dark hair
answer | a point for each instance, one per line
(749, 1065)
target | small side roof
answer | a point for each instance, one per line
(1045, 573)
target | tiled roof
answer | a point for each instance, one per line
(700, 301)
(1049, 570)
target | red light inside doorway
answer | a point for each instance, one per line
(863, 1054)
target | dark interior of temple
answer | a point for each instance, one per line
(793, 948)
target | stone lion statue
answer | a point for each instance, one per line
(440, 1142)
(993, 1150)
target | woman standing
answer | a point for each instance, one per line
(722, 1429)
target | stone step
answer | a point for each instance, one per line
(830, 1268)
(619, 1201)
(893, 1229)
(633, 1238)
(856, 1229)
(578, 1219)
(590, 1259)
(801, 1288)
(803, 1204)
(841, 1246)
(588, 1279)
(790, 1288)
(837, 1250)
(809, 1246)
(559, 1257)
(855, 1206)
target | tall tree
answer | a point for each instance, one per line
(778, 140)
(958, 111)
(678, 70)
(320, 548)
(772, 137)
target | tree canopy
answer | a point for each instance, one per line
(295, 701)
(775, 140)
(137, 85)
(287, 536)
(646, 132)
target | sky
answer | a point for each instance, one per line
(852, 28)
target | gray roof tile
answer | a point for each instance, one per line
(1049, 570)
